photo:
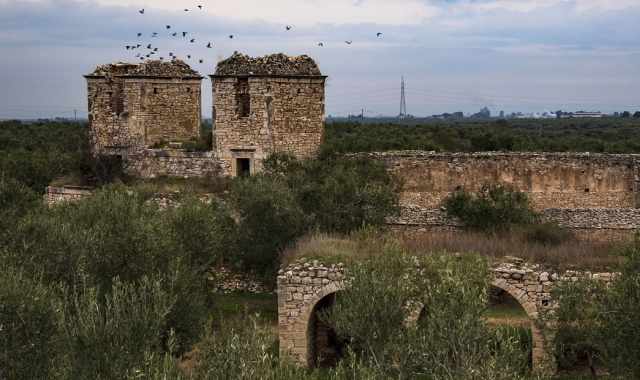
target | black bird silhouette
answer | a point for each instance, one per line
(186, 10)
(138, 46)
(141, 11)
(201, 61)
(192, 40)
(168, 26)
(288, 27)
(155, 49)
(348, 42)
(154, 34)
(188, 57)
(149, 46)
(142, 58)
(379, 34)
(128, 47)
(139, 34)
(170, 54)
(184, 34)
(161, 58)
(174, 34)
(200, 6)
(231, 36)
(209, 45)
(321, 44)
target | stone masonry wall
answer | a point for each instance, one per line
(552, 180)
(304, 285)
(153, 163)
(286, 115)
(56, 195)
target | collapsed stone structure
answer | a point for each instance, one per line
(266, 105)
(305, 288)
(136, 106)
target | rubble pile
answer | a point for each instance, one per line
(175, 68)
(275, 64)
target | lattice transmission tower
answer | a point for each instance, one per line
(403, 101)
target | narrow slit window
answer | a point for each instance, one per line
(243, 98)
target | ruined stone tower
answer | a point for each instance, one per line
(265, 105)
(135, 106)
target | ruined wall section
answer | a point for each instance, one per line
(552, 180)
(153, 163)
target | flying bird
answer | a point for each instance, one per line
(288, 27)
(186, 10)
(348, 42)
(184, 34)
(188, 56)
(149, 46)
(192, 40)
(155, 49)
(141, 11)
(168, 26)
(379, 34)
(231, 36)
(209, 45)
(138, 46)
(174, 34)
(321, 44)
(201, 61)
(139, 34)
(200, 6)
(154, 34)
(128, 47)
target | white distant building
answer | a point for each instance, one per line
(583, 114)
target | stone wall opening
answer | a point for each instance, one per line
(505, 313)
(243, 98)
(325, 348)
(243, 167)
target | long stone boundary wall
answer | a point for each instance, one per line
(305, 287)
(153, 163)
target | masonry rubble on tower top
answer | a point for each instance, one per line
(151, 68)
(275, 64)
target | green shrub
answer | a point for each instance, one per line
(339, 194)
(27, 327)
(269, 219)
(106, 335)
(493, 208)
(16, 200)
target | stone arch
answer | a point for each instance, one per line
(296, 340)
(541, 359)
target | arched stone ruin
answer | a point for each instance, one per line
(306, 286)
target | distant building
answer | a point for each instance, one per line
(581, 114)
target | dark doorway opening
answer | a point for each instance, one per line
(243, 167)
(326, 348)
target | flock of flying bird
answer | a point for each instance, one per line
(152, 51)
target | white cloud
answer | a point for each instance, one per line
(298, 12)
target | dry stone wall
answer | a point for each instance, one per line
(60, 194)
(153, 163)
(305, 285)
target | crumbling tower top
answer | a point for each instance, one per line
(273, 65)
(148, 69)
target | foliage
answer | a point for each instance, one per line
(16, 200)
(339, 194)
(268, 220)
(106, 336)
(607, 135)
(600, 322)
(493, 208)
(27, 327)
(547, 234)
(450, 340)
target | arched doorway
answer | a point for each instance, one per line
(324, 347)
(506, 314)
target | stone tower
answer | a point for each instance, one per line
(135, 106)
(265, 105)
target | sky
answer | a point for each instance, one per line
(455, 55)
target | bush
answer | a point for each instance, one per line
(27, 327)
(493, 208)
(107, 335)
(339, 194)
(16, 200)
(269, 219)
(450, 339)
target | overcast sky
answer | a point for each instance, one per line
(456, 55)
